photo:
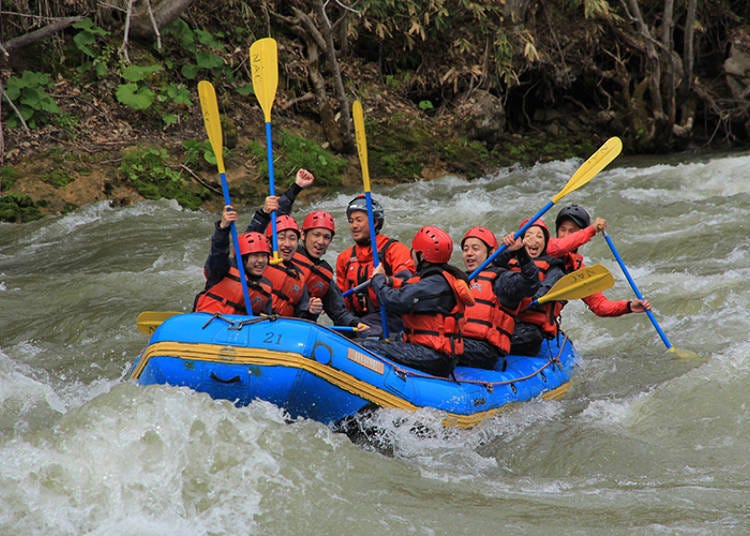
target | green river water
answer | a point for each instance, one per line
(645, 441)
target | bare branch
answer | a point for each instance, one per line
(309, 96)
(16, 110)
(198, 178)
(153, 23)
(123, 50)
(41, 33)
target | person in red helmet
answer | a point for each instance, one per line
(498, 292)
(355, 265)
(318, 230)
(574, 228)
(431, 304)
(290, 295)
(223, 291)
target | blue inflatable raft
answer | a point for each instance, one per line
(314, 372)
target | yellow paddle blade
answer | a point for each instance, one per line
(580, 283)
(148, 321)
(211, 119)
(359, 134)
(588, 170)
(684, 354)
(264, 65)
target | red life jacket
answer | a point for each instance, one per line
(488, 319)
(357, 269)
(287, 287)
(317, 276)
(441, 332)
(543, 315)
(227, 297)
(573, 261)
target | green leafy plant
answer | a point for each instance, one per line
(8, 176)
(29, 94)
(88, 42)
(295, 152)
(18, 208)
(205, 48)
(147, 170)
(174, 96)
(57, 178)
(200, 154)
(69, 123)
(134, 94)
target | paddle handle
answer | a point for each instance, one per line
(516, 235)
(637, 292)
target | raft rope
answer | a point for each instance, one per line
(241, 324)
(401, 372)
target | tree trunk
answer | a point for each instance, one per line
(165, 12)
(333, 65)
(304, 26)
(658, 133)
(327, 114)
(685, 93)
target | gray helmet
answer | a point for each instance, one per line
(359, 203)
(574, 213)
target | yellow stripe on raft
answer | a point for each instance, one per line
(256, 356)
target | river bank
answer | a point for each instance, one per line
(55, 170)
(512, 85)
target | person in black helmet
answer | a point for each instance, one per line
(355, 265)
(574, 228)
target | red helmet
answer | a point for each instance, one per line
(483, 234)
(435, 245)
(319, 219)
(253, 242)
(538, 223)
(284, 222)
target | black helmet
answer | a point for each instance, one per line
(574, 213)
(359, 203)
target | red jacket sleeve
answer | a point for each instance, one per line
(559, 247)
(398, 257)
(600, 305)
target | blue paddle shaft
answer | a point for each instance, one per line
(635, 289)
(236, 244)
(271, 186)
(359, 287)
(375, 259)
